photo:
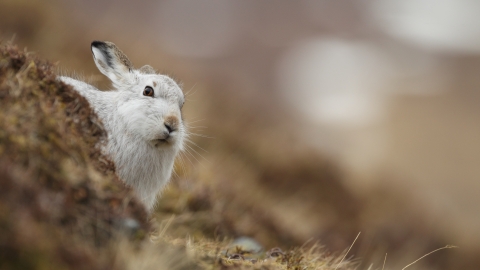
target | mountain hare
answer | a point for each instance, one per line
(142, 117)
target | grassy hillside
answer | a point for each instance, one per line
(62, 207)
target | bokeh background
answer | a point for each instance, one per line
(311, 120)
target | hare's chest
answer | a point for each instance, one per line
(137, 162)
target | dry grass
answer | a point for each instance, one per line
(211, 254)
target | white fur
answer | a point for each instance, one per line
(135, 122)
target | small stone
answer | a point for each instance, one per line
(246, 244)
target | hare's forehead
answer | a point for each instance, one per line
(162, 82)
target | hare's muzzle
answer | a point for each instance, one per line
(166, 136)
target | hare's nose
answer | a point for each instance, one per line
(171, 123)
(169, 128)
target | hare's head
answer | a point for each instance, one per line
(148, 104)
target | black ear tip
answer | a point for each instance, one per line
(97, 44)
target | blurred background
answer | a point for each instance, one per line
(311, 120)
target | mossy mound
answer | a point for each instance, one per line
(60, 201)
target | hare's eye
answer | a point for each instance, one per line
(148, 91)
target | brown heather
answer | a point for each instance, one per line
(60, 203)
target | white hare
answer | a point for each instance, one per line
(142, 117)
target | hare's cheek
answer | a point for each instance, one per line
(132, 119)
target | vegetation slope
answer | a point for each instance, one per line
(62, 206)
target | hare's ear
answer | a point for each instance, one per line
(111, 61)
(148, 70)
